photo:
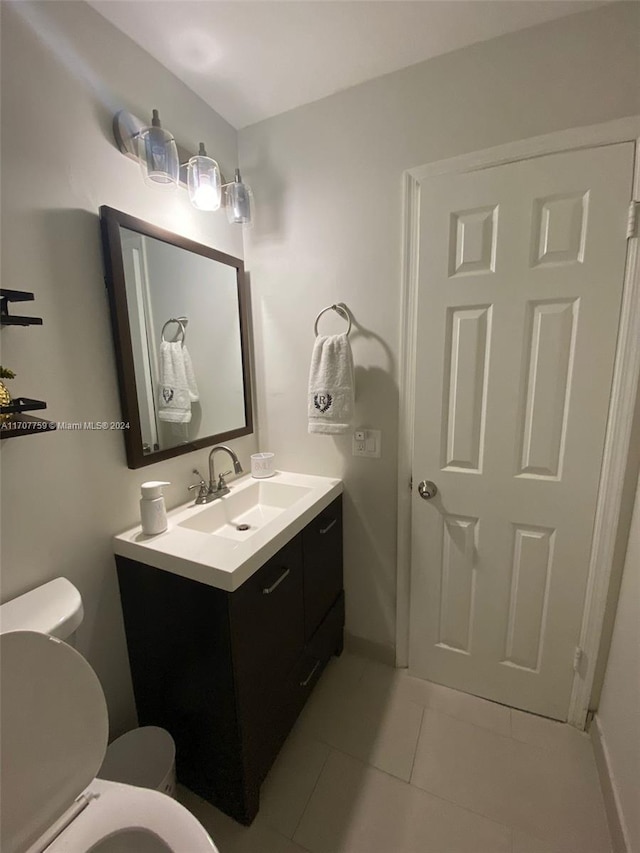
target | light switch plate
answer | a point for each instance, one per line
(367, 442)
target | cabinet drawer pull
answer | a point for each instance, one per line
(269, 589)
(326, 529)
(311, 674)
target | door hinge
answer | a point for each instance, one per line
(633, 222)
(578, 655)
(411, 483)
(587, 723)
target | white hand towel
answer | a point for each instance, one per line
(331, 385)
(174, 401)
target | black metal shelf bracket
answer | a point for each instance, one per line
(7, 319)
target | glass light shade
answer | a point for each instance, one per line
(158, 155)
(238, 201)
(203, 182)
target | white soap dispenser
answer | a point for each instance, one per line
(153, 513)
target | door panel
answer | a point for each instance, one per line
(531, 562)
(466, 372)
(457, 582)
(521, 269)
(549, 357)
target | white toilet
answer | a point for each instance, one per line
(53, 740)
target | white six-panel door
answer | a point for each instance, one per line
(521, 269)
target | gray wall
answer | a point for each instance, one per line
(327, 177)
(65, 71)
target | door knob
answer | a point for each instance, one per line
(427, 489)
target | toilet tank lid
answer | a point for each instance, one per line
(54, 608)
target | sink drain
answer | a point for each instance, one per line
(242, 527)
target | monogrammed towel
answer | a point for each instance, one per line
(174, 393)
(331, 385)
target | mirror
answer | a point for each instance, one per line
(179, 314)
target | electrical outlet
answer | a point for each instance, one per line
(366, 442)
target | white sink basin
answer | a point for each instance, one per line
(223, 543)
(243, 513)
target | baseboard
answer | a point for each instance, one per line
(370, 649)
(612, 809)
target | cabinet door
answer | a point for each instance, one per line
(267, 625)
(322, 547)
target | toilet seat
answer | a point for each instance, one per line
(116, 817)
(52, 743)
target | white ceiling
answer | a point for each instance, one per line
(250, 60)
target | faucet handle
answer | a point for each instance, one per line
(202, 480)
(202, 486)
(221, 482)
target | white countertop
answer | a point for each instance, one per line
(222, 562)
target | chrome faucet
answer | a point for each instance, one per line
(217, 490)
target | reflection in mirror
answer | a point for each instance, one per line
(179, 316)
(186, 341)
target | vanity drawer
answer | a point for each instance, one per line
(326, 642)
(322, 548)
(267, 625)
(289, 698)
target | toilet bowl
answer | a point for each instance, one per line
(52, 743)
(124, 819)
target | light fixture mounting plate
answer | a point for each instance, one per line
(126, 128)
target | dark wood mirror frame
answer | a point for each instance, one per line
(111, 221)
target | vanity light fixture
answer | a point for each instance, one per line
(163, 162)
(238, 200)
(203, 181)
(158, 155)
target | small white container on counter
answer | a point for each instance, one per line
(153, 513)
(262, 465)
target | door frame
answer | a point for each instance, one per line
(624, 387)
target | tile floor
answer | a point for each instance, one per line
(380, 762)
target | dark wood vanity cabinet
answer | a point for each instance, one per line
(227, 673)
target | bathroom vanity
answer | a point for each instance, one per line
(224, 661)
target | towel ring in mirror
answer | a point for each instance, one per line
(180, 322)
(341, 309)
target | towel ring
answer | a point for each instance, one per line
(341, 309)
(180, 322)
